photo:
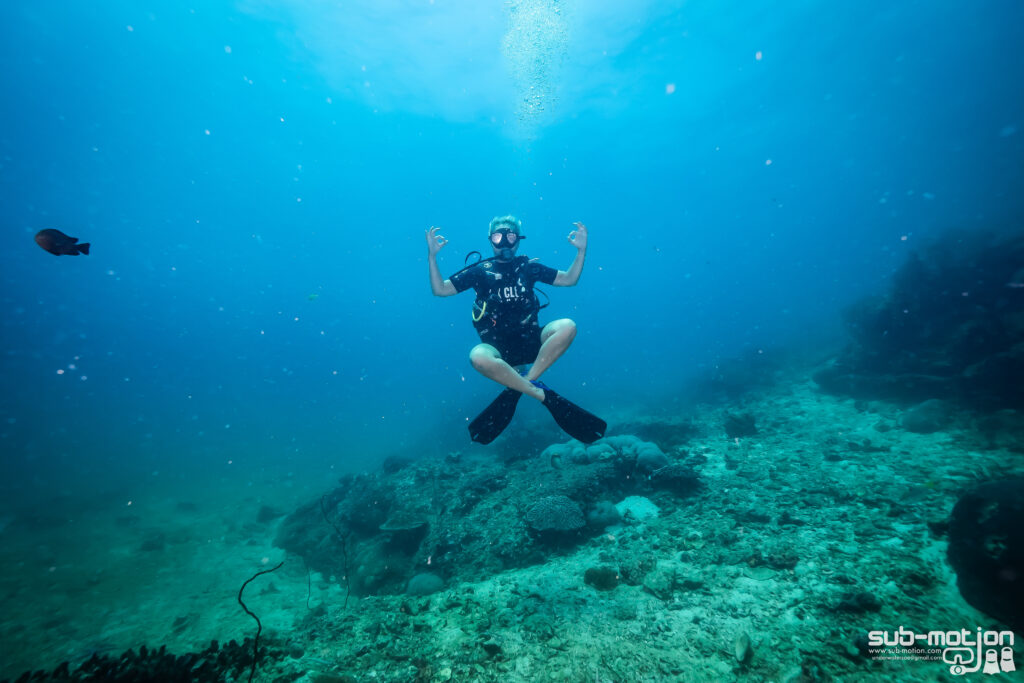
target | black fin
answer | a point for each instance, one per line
(83, 248)
(486, 426)
(578, 423)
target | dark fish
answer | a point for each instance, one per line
(57, 243)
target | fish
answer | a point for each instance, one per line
(57, 243)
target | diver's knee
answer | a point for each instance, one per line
(568, 327)
(480, 357)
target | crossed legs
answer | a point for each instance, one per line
(555, 338)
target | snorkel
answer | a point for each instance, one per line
(505, 233)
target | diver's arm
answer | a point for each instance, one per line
(435, 243)
(578, 238)
(438, 286)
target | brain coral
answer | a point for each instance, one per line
(555, 513)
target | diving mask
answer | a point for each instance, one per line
(505, 238)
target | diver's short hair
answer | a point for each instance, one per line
(511, 221)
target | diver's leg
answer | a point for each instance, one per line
(555, 338)
(487, 361)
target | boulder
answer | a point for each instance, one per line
(986, 549)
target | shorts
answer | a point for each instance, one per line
(517, 345)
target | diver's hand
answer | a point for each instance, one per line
(578, 237)
(435, 241)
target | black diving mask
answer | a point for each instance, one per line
(505, 239)
(506, 242)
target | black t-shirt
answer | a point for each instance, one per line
(504, 291)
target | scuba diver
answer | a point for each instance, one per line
(514, 351)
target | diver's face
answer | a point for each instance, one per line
(505, 243)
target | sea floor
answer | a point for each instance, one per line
(821, 527)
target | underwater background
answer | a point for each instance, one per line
(768, 187)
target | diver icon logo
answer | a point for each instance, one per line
(1004, 664)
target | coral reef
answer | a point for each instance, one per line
(214, 664)
(466, 520)
(830, 522)
(950, 327)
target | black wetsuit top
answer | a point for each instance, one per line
(505, 310)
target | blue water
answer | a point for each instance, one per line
(255, 179)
